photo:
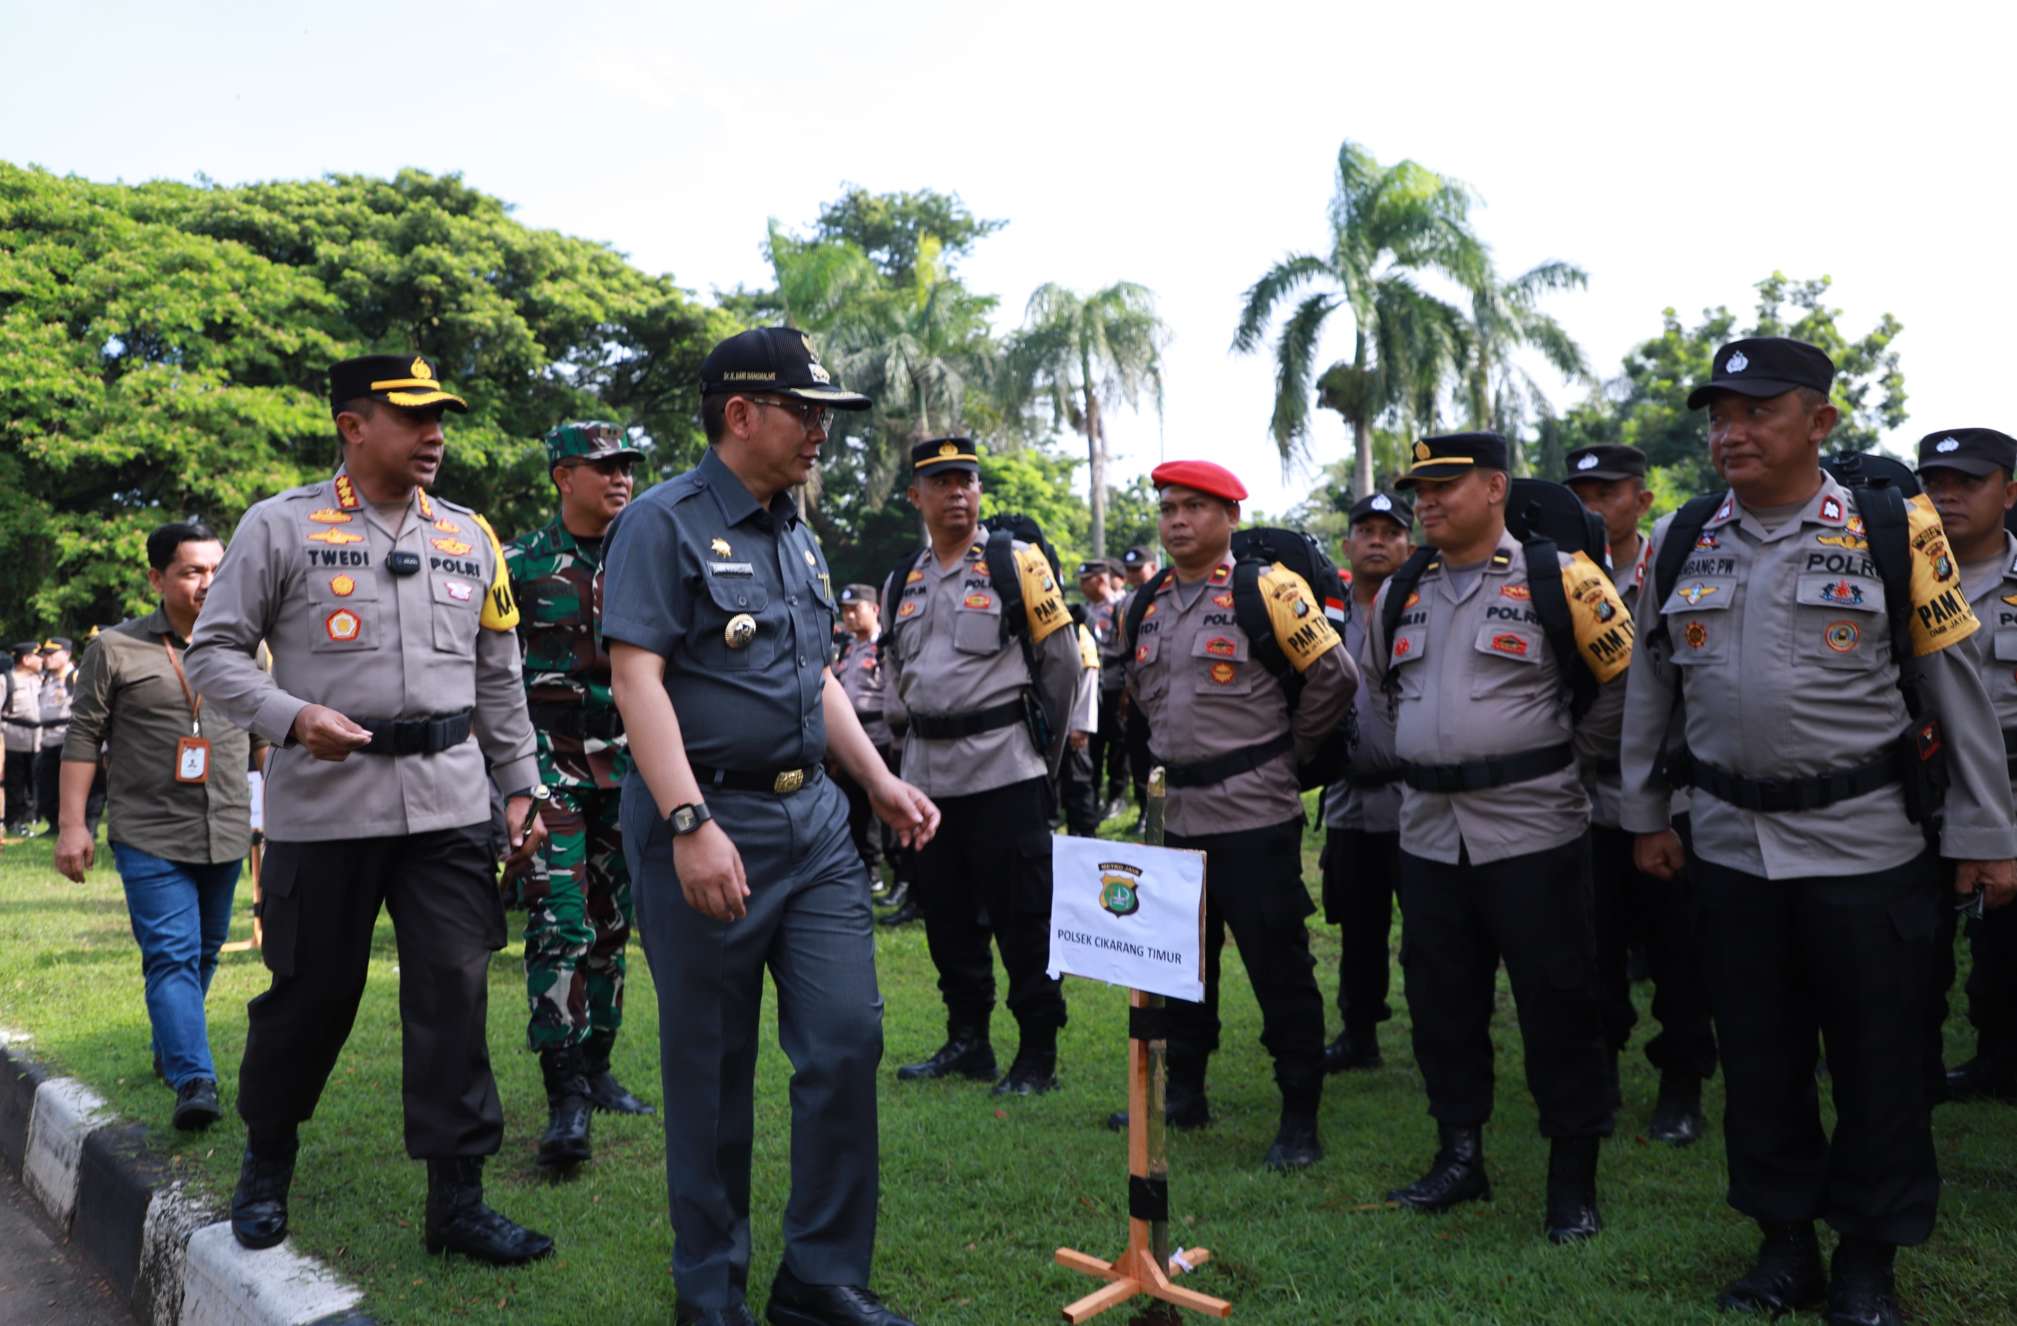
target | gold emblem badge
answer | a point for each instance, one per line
(948, 449)
(453, 547)
(447, 526)
(1422, 451)
(810, 560)
(419, 368)
(741, 629)
(788, 782)
(329, 515)
(342, 625)
(335, 536)
(719, 547)
(343, 587)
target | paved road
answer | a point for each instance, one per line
(43, 1280)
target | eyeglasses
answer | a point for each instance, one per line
(810, 415)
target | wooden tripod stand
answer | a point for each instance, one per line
(1146, 1267)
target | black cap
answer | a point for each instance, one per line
(412, 382)
(1606, 460)
(779, 360)
(1137, 556)
(56, 642)
(938, 453)
(25, 647)
(1095, 566)
(1452, 454)
(1976, 451)
(1393, 508)
(1765, 366)
(857, 594)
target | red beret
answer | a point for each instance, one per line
(1205, 477)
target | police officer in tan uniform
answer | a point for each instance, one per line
(962, 692)
(395, 679)
(1221, 725)
(1967, 473)
(1495, 826)
(1773, 657)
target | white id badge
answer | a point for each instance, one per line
(192, 760)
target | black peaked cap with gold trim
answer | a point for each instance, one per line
(938, 453)
(412, 382)
(1452, 455)
(777, 360)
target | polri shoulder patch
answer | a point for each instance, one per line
(1940, 612)
(500, 609)
(1089, 650)
(1603, 628)
(1043, 603)
(1301, 629)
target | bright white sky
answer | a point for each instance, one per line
(1677, 153)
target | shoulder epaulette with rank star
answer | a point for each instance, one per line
(346, 494)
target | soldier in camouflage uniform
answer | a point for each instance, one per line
(577, 895)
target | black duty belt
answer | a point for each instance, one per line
(946, 727)
(2010, 748)
(415, 736)
(1383, 778)
(1221, 767)
(571, 720)
(1768, 796)
(1496, 771)
(779, 782)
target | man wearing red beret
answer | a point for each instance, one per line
(1222, 725)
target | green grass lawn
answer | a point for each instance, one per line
(976, 1194)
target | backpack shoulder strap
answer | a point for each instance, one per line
(892, 591)
(1682, 531)
(1400, 585)
(1000, 560)
(1888, 525)
(1250, 614)
(1138, 606)
(1551, 605)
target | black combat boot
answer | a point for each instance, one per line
(1786, 1278)
(1572, 1190)
(604, 1091)
(1677, 1115)
(966, 1053)
(259, 1203)
(1860, 1288)
(1296, 1145)
(1352, 1051)
(1034, 1070)
(565, 1141)
(1981, 1078)
(1456, 1175)
(458, 1221)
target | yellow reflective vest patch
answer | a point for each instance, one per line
(1301, 629)
(1603, 628)
(1043, 603)
(500, 609)
(1940, 612)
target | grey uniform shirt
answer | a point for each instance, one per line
(1105, 622)
(945, 654)
(1204, 694)
(686, 561)
(1474, 677)
(1991, 588)
(307, 574)
(858, 666)
(1368, 807)
(1780, 648)
(23, 714)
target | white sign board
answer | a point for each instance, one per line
(1129, 915)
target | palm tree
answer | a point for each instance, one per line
(1388, 225)
(1083, 353)
(1504, 319)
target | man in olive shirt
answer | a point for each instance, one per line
(178, 832)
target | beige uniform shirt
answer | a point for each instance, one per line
(1780, 648)
(1196, 681)
(948, 656)
(306, 572)
(1474, 677)
(1373, 807)
(1991, 588)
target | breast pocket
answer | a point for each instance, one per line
(2006, 646)
(1837, 622)
(1224, 667)
(457, 602)
(1151, 678)
(976, 623)
(731, 633)
(343, 626)
(1511, 653)
(1698, 621)
(1404, 660)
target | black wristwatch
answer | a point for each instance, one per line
(685, 819)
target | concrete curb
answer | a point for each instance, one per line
(168, 1252)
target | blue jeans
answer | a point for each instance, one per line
(181, 913)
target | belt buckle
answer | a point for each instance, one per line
(788, 782)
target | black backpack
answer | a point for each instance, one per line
(1254, 551)
(1547, 519)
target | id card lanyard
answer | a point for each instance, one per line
(192, 753)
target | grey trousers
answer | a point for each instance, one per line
(809, 923)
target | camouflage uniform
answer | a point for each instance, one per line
(577, 897)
